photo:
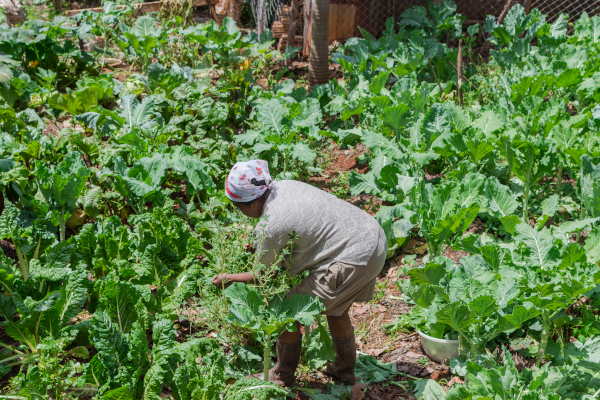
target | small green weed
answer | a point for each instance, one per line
(379, 292)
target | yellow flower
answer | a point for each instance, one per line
(245, 65)
(33, 64)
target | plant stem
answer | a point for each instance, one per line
(473, 351)
(24, 264)
(62, 226)
(543, 339)
(472, 346)
(36, 253)
(582, 214)
(559, 180)
(525, 202)
(267, 360)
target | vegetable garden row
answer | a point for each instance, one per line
(113, 200)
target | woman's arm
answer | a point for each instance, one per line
(225, 280)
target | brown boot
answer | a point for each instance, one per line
(342, 370)
(288, 357)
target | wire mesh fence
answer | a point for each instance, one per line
(347, 17)
(553, 8)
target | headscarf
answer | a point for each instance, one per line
(247, 181)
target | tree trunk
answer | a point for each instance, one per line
(58, 6)
(12, 9)
(318, 67)
(259, 10)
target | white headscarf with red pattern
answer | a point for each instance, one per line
(239, 186)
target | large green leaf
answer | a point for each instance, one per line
(303, 308)
(319, 348)
(457, 316)
(137, 114)
(246, 303)
(479, 149)
(62, 185)
(488, 122)
(363, 183)
(145, 26)
(519, 316)
(540, 245)
(156, 167)
(9, 224)
(122, 393)
(437, 120)
(592, 245)
(394, 117)
(302, 152)
(430, 275)
(501, 200)
(471, 190)
(271, 114)
(118, 302)
(379, 144)
(73, 296)
(483, 306)
(112, 346)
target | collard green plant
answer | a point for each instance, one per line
(267, 320)
(61, 187)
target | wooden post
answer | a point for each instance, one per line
(293, 19)
(307, 26)
(459, 73)
(527, 6)
(436, 79)
(58, 6)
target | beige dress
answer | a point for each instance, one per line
(342, 246)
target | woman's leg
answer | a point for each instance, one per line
(288, 349)
(291, 337)
(344, 345)
(341, 326)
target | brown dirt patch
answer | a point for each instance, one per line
(477, 227)
(339, 162)
(455, 255)
(8, 248)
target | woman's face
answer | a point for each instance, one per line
(253, 210)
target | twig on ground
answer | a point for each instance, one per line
(436, 78)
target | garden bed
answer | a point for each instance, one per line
(114, 157)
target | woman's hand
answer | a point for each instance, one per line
(221, 282)
(249, 247)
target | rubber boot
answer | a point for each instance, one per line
(288, 357)
(342, 370)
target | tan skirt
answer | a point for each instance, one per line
(345, 284)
